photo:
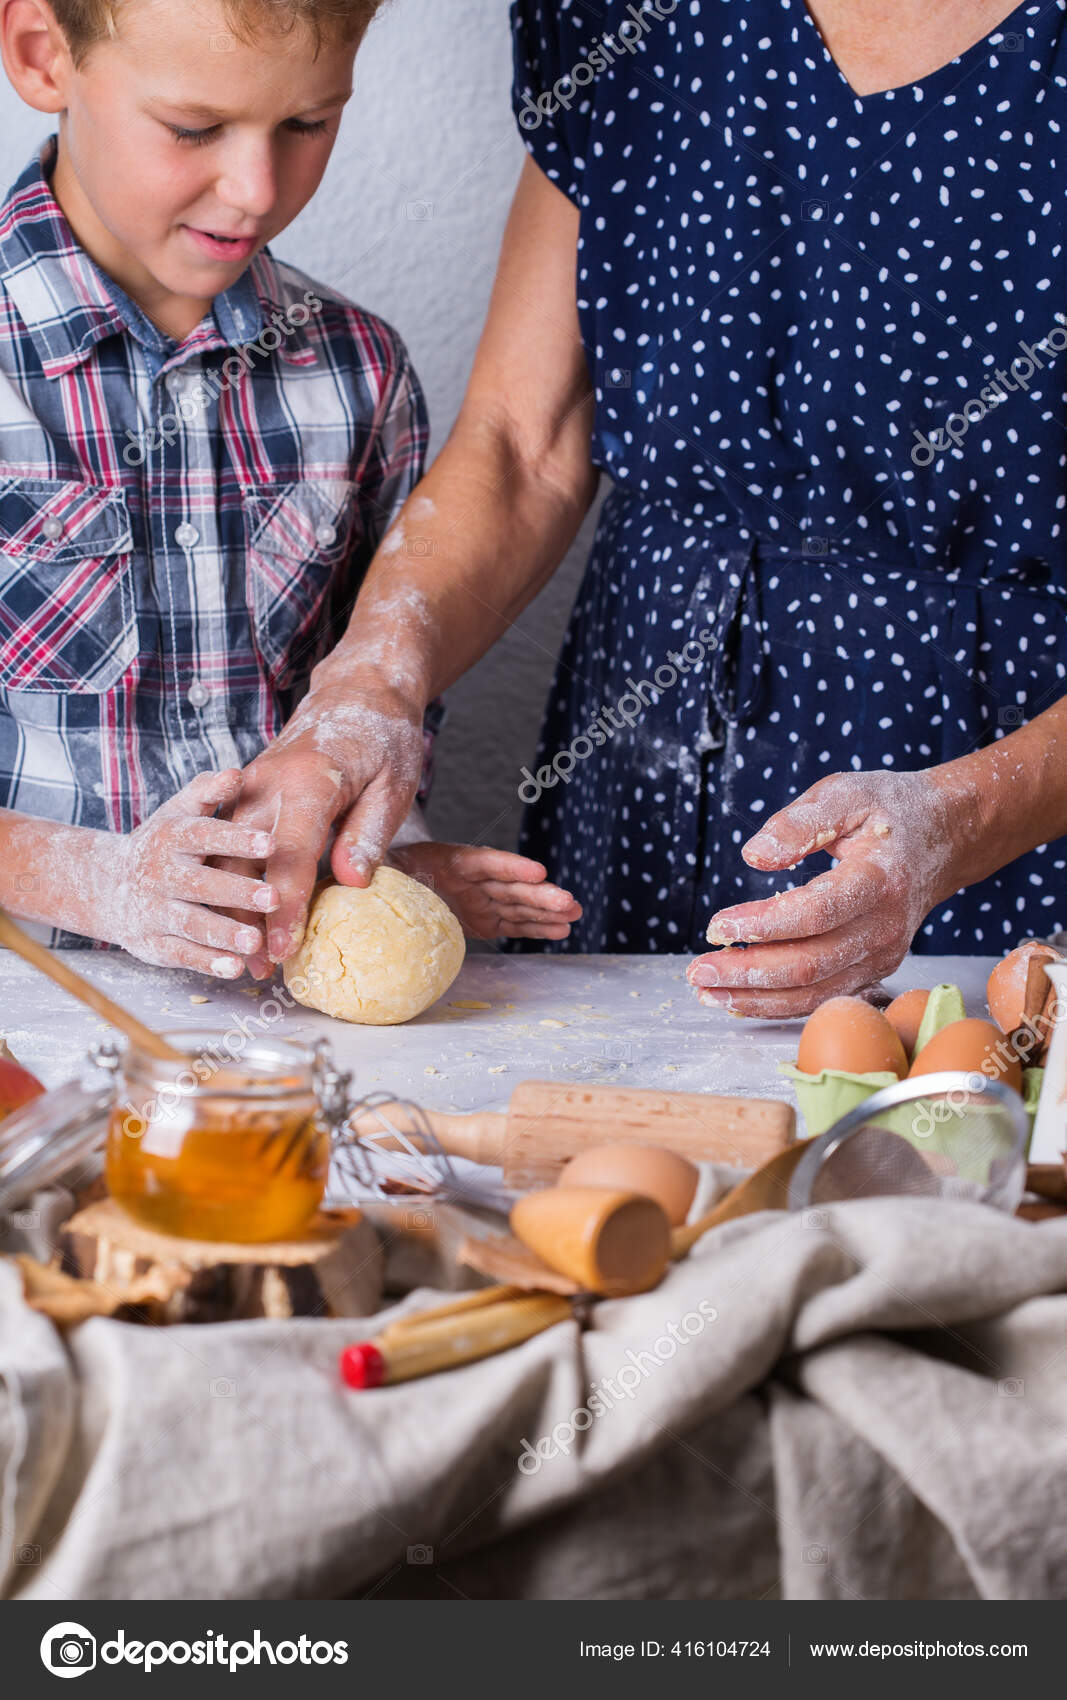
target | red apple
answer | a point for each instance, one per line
(17, 1085)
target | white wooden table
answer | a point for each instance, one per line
(627, 1020)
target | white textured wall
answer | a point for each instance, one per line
(408, 222)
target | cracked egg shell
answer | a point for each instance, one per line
(1006, 986)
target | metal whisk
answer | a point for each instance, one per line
(371, 1151)
(381, 1143)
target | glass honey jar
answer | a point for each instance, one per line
(228, 1146)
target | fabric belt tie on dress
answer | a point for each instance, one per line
(725, 603)
(739, 647)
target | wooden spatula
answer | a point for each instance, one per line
(546, 1124)
(12, 935)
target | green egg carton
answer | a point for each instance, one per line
(824, 1098)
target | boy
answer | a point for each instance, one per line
(200, 451)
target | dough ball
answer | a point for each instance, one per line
(379, 956)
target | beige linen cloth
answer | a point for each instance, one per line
(876, 1409)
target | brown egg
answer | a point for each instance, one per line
(852, 1036)
(1006, 988)
(905, 1015)
(646, 1169)
(967, 1045)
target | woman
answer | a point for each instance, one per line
(815, 344)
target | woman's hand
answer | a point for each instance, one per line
(349, 757)
(152, 892)
(900, 840)
(494, 894)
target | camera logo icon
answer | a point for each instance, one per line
(68, 1649)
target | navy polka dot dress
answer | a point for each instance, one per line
(828, 341)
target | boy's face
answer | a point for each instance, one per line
(177, 136)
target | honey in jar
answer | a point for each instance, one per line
(224, 1147)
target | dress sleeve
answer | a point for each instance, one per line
(555, 43)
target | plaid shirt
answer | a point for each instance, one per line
(183, 526)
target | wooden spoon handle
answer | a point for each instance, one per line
(12, 935)
(767, 1189)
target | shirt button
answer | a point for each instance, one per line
(198, 694)
(327, 534)
(186, 536)
(52, 529)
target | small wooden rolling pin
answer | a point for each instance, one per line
(546, 1123)
(463, 1333)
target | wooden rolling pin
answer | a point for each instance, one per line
(546, 1124)
(450, 1339)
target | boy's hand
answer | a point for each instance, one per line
(494, 894)
(354, 760)
(153, 894)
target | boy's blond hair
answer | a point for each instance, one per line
(86, 23)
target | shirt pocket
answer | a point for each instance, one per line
(68, 618)
(302, 540)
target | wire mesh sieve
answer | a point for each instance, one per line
(950, 1135)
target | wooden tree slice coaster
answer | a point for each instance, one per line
(334, 1270)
